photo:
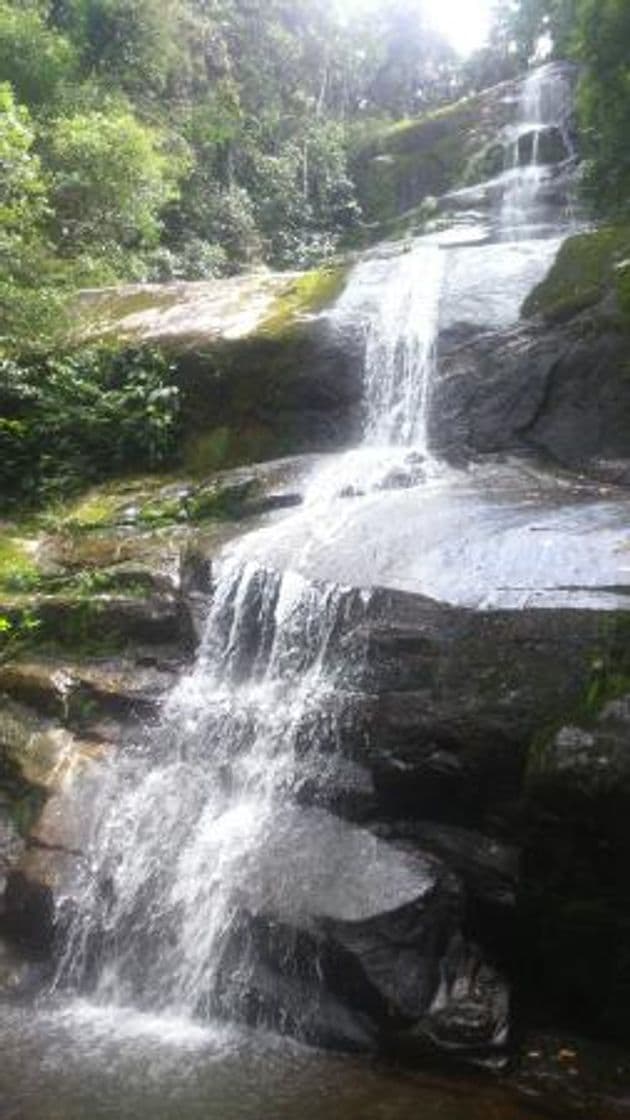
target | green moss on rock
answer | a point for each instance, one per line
(306, 295)
(589, 267)
(414, 159)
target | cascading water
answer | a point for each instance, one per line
(181, 841)
(544, 114)
(195, 826)
(400, 351)
(188, 827)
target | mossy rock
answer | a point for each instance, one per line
(304, 296)
(19, 570)
(405, 162)
(260, 373)
(589, 268)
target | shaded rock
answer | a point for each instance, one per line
(556, 390)
(575, 895)
(80, 693)
(28, 916)
(105, 621)
(473, 689)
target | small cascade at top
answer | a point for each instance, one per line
(540, 138)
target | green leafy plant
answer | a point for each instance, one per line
(68, 421)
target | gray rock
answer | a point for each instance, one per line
(557, 390)
(363, 942)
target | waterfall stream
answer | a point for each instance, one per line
(200, 822)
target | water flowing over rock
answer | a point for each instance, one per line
(320, 829)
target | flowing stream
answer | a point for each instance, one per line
(202, 821)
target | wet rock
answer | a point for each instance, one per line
(14, 969)
(556, 388)
(472, 691)
(353, 924)
(44, 752)
(58, 770)
(28, 919)
(80, 693)
(487, 867)
(575, 896)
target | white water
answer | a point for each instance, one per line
(198, 825)
(545, 103)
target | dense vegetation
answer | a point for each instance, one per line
(143, 140)
(147, 140)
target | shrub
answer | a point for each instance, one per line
(68, 421)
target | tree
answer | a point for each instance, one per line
(112, 176)
(22, 186)
(35, 59)
(603, 45)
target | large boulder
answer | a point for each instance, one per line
(262, 369)
(347, 940)
(575, 897)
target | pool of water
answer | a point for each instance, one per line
(80, 1062)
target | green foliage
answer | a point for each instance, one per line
(18, 571)
(111, 178)
(35, 59)
(22, 187)
(194, 138)
(603, 44)
(65, 422)
(18, 631)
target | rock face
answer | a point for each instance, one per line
(429, 156)
(262, 369)
(556, 383)
(560, 391)
(574, 892)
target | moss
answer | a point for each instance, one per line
(588, 267)
(607, 679)
(208, 451)
(306, 295)
(485, 164)
(94, 511)
(411, 160)
(18, 570)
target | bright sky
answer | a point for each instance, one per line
(464, 22)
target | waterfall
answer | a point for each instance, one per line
(192, 828)
(400, 351)
(182, 839)
(544, 108)
(186, 830)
